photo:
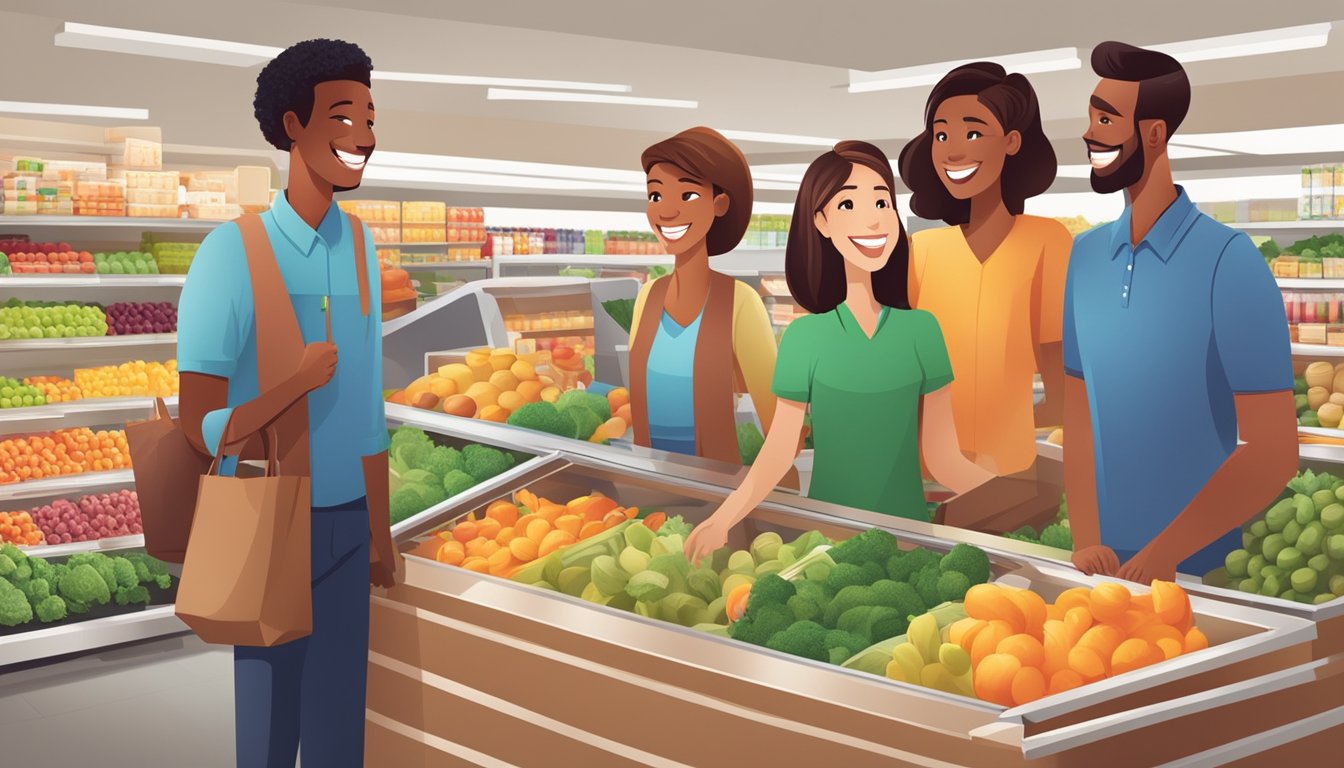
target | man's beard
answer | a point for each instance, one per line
(1127, 175)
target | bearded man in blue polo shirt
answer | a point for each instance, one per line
(1179, 405)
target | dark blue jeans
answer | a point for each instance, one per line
(311, 691)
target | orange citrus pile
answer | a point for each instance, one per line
(512, 534)
(1022, 649)
(65, 452)
(19, 529)
(134, 379)
(55, 388)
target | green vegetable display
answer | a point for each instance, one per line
(35, 588)
(423, 474)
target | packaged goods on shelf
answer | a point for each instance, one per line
(253, 187)
(100, 198)
(389, 257)
(215, 212)
(141, 154)
(424, 222)
(1322, 192)
(72, 170)
(574, 320)
(31, 165)
(383, 217)
(767, 231)
(151, 180)
(632, 244)
(171, 258)
(465, 225)
(152, 211)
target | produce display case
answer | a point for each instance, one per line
(550, 674)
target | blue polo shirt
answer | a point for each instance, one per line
(1165, 335)
(216, 336)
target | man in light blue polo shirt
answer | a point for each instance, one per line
(1176, 347)
(313, 101)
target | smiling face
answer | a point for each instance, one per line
(860, 220)
(336, 143)
(970, 147)
(1112, 137)
(681, 208)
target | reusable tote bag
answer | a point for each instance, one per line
(168, 471)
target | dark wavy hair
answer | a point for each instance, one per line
(709, 156)
(815, 270)
(1012, 101)
(286, 83)
(1164, 88)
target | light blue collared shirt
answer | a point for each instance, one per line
(216, 337)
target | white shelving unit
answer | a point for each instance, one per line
(1317, 350)
(1252, 226)
(106, 222)
(447, 266)
(26, 282)
(139, 341)
(1310, 284)
(93, 412)
(88, 482)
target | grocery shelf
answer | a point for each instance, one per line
(107, 222)
(557, 332)
(1326, 454)
(90, 342)
(1337, 224)
(447, 265)
(431, 245)
(91, 412)
(134, 541)
(85, 482)
(1317, 350)
(1309, 283)
(79, 637)
(92, 281)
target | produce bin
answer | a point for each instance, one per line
(465, 664)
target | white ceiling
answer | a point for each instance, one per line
(752, 65)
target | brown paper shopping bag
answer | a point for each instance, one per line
(168, 472)
(247, 575)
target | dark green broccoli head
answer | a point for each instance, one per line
(579, 398)
(926, 584)
(899, 595)
(407, 436)
(911, 563)
(968, 560)
(770, 589)
(132, 595)
(814, 590)
(13, 553)
(14, 606)
(36, 590)
(51, 608)
(124, 572)
(83, 585)
(757, 629)
(845, 600)
(846, 575)
(7, 566)
(442, 460)
(855, 622)
(804, 608)
(952, 586)
(41, 568)
(404, 504)
(804, 638)
(1058, 536)
(585, 421)
(873, 545)
(543, 417)
(873, 572)
(414, 454)
(456, 482)
(483, 462)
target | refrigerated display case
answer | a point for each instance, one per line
(550, 674)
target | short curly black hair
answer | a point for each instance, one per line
(286, 83)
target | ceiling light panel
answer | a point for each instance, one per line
(779, 138)
(505, 94)
(1053, 60)
(1248, 44)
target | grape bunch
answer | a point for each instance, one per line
(91, 517)
(50, 321)
(132, 317)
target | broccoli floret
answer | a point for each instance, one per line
(757, 629)
(907, 565)
(7, 566)
(456, 482)
(1058, 536)
(407, 436)
(83, 585)
(13, 553)
(875, 622)
(135, 594)
(899, 595)
(125, 573)
(41, 568)
(100, 563)
(675, 526)
(814, 590)
(873, 572)
(968, 560)
(873, 545)
(804, 608)
(483, 462)
(1025, 533)
(749, 442)
(543, 417)
(442, 460)
(578, 398)
(430, 495)
(14, 606)
(52, 608)
(164, 581)
(404, 504)
(414, 455)
(585, 421)
(845, 600)
(770, 589)
(926, 584)
(848, 641)
(804, 638)
(36, 590)
(846, 575)
(952, 586)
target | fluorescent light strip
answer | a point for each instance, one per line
(779, 138)
(459, 178)
(1053, 60)
(1248, 44)
(1272, 141)
(504, 94)
(73, 110)
(226, 52)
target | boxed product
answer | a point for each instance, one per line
(136, 196)
(141, 210)
(1304, 196)
(160, 180)
(253, 186)
(221, 212)
(423, 222)
(206, 198)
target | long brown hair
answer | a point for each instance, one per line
(815, 270)
(1012, 101)
(705, 154)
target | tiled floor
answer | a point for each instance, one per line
(165, 704)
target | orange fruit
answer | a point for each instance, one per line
(494, 413)
(571, 524)
(465, 531)
(1026, 648)
(1142, 602)
(526, 498)
(477, 564)
(1170, 648)
(1073, 598)
(489, 547)
(1109, 602)
(530, 391)
(987, 640)
(591, 529)
(503, 511)
(499, 561)
(511, 401)
(1077, 621)
(1087, 663)
(488, 528)
(537, 529)
(1134, 654)
(993, 678)
(960, 629)
(555, 540)
(617, 398)
(523, 548)
(1195, 640)
(1157, 631)
(1064, 680)
(1028, 685)
(505, 536)
(1102, 638)
(1170, 602)
(1033, 609)
(991, 602)
(1134, 621)
(550, 511)
(613, 518)
(1055, 648)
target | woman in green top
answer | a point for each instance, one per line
(872, 370)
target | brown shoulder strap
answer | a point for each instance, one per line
(640, 346)
(361, 264)
(715, 417)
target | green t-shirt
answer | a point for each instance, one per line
(865, 396)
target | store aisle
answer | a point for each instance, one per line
(164, 704)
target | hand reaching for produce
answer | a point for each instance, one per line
(1095, 560)
(1148, 565)
(707, 538)
(318, 365)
